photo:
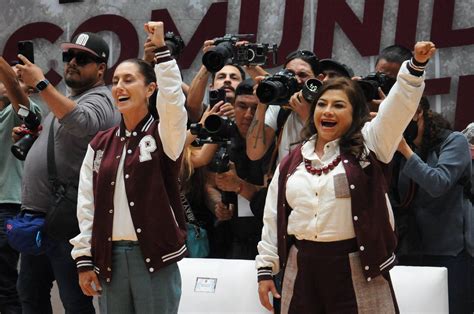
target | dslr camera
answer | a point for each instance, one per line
(277, 88)
(371, 83)
(226, 48)
(215, 129)
(32, 125)
(174, 43)
(216, 95)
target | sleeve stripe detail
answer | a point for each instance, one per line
(415, 68)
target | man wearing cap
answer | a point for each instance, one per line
(75, 119)
(332, 69)
(286, 122)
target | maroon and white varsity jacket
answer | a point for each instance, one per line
(151, 171)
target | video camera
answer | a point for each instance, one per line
(32, 124)
(245, 54)
(174, 43)
(371, 83)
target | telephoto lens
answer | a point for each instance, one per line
(216, 58)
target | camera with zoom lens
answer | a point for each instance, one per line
(310, 89)
(277, 88)
(371, 83)
(174, 43)
(215, 129)
(226, 48)
(32, 125)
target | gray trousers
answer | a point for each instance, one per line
(133, 289)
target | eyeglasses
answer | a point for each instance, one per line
(82, 58)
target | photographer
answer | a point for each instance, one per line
(283, 122)
(72, 122)
(433, 214)
(226, 78)
(13, 92)
(389, 62)
(241, 220)
(331, 69)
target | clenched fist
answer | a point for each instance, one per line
(155, 31)
(423, 51)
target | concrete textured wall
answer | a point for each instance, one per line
(187, 14)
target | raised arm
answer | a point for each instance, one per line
(259, 136)
(9, 78)
(170, 99)
(383, 133)
(196, 93)
(57, 103)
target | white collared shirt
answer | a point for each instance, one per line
(321, 204)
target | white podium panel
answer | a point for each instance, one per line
(219, 286)
(230, 286)
(421, 289)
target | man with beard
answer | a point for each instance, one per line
(243, 222)
(74, 120)
(226, 78)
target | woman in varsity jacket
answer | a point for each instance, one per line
(328, 223)
(129, 208)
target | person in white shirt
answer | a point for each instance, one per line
(328, 223)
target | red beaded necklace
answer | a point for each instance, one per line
(313, 170)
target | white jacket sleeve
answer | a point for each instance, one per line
(383, 133)
(85, 208)
(170, 105)
(268, 246)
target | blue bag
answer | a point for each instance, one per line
(197, 241)
(25, 233)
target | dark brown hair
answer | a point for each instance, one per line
(352, 141)
(435, 125)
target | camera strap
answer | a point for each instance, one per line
(51, 159)
(283, 115)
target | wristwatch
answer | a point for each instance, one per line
(42, 84)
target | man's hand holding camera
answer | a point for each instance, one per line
(299, 105)
(229, 181)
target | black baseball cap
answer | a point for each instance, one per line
(330, 64)
(307, 56)
(89, 42)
